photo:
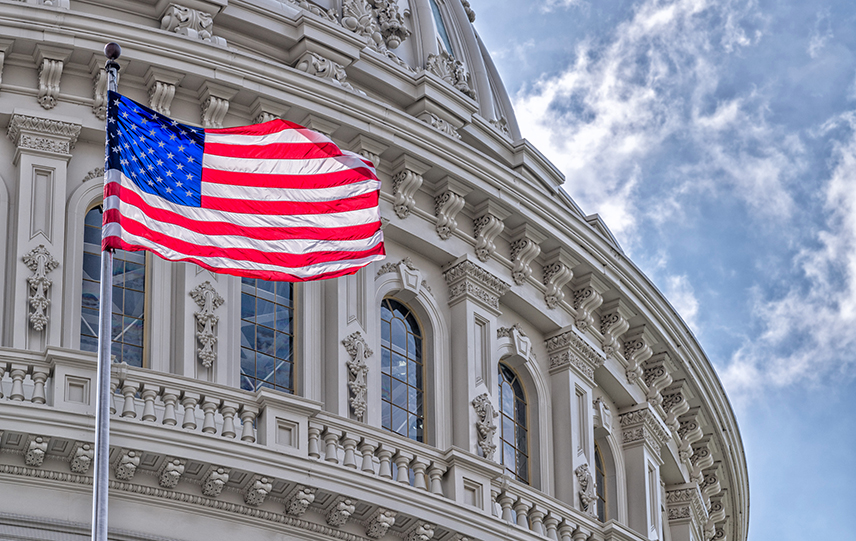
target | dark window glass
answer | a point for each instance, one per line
(267, 335)
(402, 371)
(129, 296)
(514, 435)
(600, 482)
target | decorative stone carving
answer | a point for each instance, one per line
(411, 278)
(326, 14)
(471, 15)
(421, 531)
(686, 503)
(487, 226)
(570, 349)
(40, 262)
(643, 425)
(391, 22)
(467, 280)
(689, 432)
(37, 449)
(405, 183)
(557, 272)
(192, 23)
(98, 173)
(602, 415)
(257, 490)
(359, 17)
(524, 249)
(300, 500)
(42, 134)
(613, 323)
(323, 68)
(588, 494)
(656, 375)
(485, 425)
(451, 70)
(99, 102)
(711, 486)
(4, 46)
(265, 110)
(440, 124)
(359, 352)
(127, 465)
(50, 63)
(161, 85)
(448, 201)
(81, 458)
(171, 472)
(208, 300)
(520, 343)
(341, 511)
(501, 125)
(636, 350)
(675, 403)
(379, 522)
(588, 290)
(215, 481)
(702, 458)
(214, 110)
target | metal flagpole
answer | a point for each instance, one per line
(102, 402)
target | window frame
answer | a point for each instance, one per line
(423, 367)
(526, 425)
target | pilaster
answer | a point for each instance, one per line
(686, 512)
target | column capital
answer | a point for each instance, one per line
(570, 350)
(469, 281)
(35, 133)
(684, 504)
(640, 425)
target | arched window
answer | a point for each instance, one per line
(514, 433)
(129, 295)
(600, 483)
(267, 335)
(440, 28)
(402, 371)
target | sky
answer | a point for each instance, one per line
(717, 139)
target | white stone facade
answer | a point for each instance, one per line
(496, 264)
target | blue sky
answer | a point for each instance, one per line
(717, 138)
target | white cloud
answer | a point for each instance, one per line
(551, 5)
(681, 294)
(820, 35)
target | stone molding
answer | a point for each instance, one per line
(569, 349)
(642, 425)
(466, 280)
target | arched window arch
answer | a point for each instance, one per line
(267, 335)
(402, 371)
(514, 432)
(129, 295)
(600, 483)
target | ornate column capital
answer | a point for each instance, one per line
(684, 504)
(466, 280)
(44, 136)
(525, 247)
(569, 350)
(487, 225)
(641, 426)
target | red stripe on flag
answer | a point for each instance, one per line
(273, 126)
(278, 151)
(305, 182)
(246, 206)
(354, 232)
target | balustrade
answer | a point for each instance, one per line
(24, 381)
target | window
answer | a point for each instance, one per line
(267, 335)
(600, 483)
(514, 435)
(129, 295)
(440, 28)
(402, 371)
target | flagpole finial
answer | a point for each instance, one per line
(112, 50)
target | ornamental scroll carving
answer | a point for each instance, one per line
(208, 300)
(328, 14)
(300, 500)
(215, 481)
(451, 70)
(50, 72)
(359, 351)
(487, 226)
(192, 23)
(391, 22)
(405, 184)
(41, 263)
(588, 494)
(341, 511)
(379, 522)
(525, 247)
(441, 125)
(323, 68)
(421, 531)
(485, 425)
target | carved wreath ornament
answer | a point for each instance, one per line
(359, 352)
(208, 300)
(40, 262)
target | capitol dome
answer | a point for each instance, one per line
(506, 373)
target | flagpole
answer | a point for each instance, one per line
(102, 401)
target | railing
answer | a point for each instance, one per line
(24, 378)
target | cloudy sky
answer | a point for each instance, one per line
(717, 138)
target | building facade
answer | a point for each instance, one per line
(506, 372)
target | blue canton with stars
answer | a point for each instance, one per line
(160, 155)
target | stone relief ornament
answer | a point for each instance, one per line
(40, 262)
(214, 110)
(300, 500)
(587, 299)
(82, 458)
(656, 375)
(208, 300)
(359, 17)
(37, 448)
(192, 23)
(170, 473)
(636, 351)
(451, 70)
(161, 94)
(405, 184)
(257, 490)
(127, 465)
(215, 481)
(379, 522)
(446, 206)
(323, 68)
(391, 22)
(486, 228)
(341, 511)
(613, 323)
(588, 494)
(99, 103)
(327, 14)
(50, 72)
(359, 351)
(523, 251)
(471, 15)
(441, 125)
(98, 173)
(501, 125)
(556, 275)
(485, 425)
(421, 531)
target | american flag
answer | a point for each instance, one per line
(274, 201)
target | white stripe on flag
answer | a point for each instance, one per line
(308, 167)
(287, 135)
(228, 191)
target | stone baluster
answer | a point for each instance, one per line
(385, 457)
(114, 384)
(350, 446)
(228, 411)
(314, 435)
(189, 402)
(402, 461)
(18, 373)
(149, 393)
(566, 532)
(435, 474)
(40, 376)
(209, 407)
(170, 399)
(506, 501)
(580, 534)
(521, 508)
(129, 391)
(551, 523)
(367, 449)
(331, 443)
(419, 477)
(248, 417)
(536, 520)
